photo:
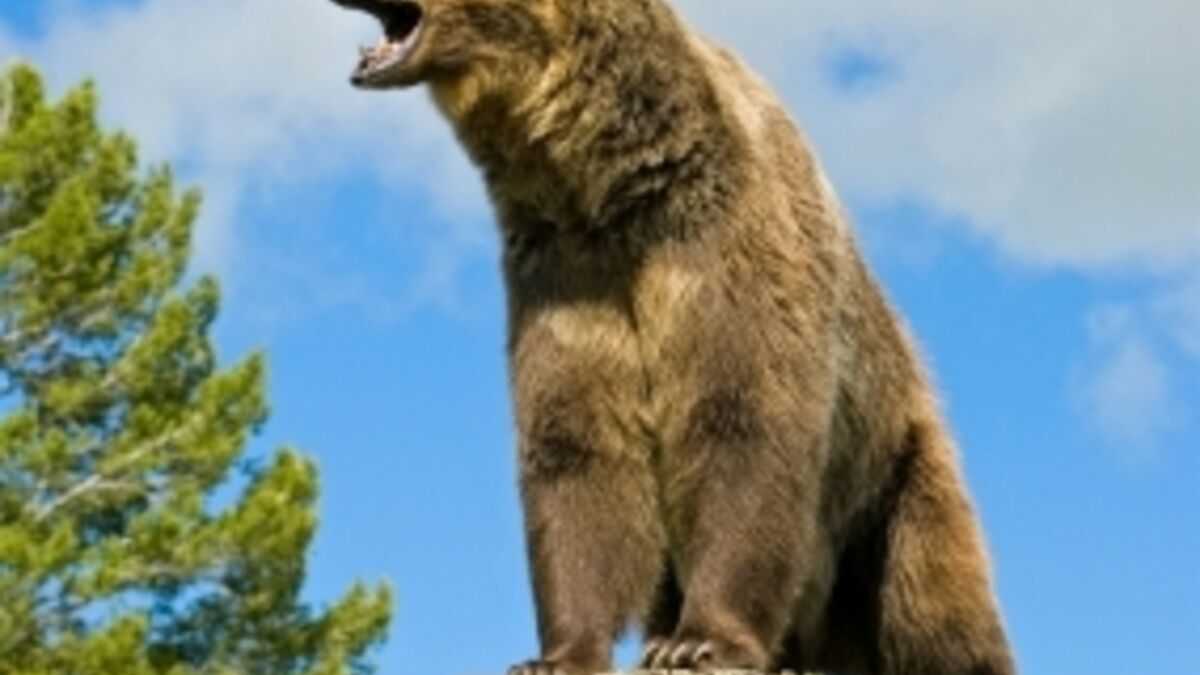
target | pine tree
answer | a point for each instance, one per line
(117, 427)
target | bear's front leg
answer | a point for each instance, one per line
(743, 472)
(594, 530)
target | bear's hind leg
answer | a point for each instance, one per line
(937, 613)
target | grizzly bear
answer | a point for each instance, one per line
(726, 436)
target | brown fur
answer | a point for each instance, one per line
(725, 433)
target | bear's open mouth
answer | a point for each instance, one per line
(401, 20)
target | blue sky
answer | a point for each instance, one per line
(1025, 179)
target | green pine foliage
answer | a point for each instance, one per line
(117, 427)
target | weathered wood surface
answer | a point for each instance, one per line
(713, 672)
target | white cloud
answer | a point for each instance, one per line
(1068, 132)
(1126, 387)
(1179, 310)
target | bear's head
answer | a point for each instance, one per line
(444, 42)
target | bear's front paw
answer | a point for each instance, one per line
(696, 655)
(677, 655)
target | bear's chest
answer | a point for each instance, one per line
(631, 348)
